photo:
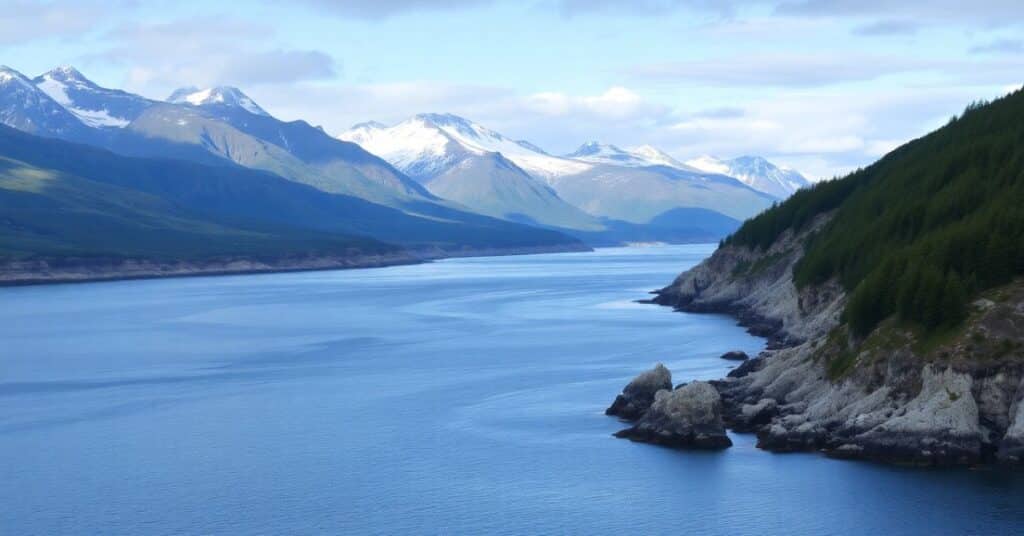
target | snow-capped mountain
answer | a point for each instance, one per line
(95, 106)
(467, 163)
(643, 156)
(429, 143)
(208, 126)
(25, 107)
(226, 96)
(604, 181)
(756, 172)
(657, 157)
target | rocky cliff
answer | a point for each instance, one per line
(954, 398)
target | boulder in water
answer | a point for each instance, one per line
(639, 393)
(735, 356)
(688, 417)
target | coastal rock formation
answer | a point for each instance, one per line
(885, 397)
(735, 356)
(639, 394)
(938, 427)
(757, 288)
(746, 367)
(1011, 449)
(688, 417)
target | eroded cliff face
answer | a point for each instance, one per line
(892, 396)
(757, 287)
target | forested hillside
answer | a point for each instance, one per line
(922, 230)
(65, 202)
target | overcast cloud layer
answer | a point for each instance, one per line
(821, 85)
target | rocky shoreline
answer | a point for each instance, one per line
(888, 398)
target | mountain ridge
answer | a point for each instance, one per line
(427, 145)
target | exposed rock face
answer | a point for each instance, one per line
(638, 395)
(757, 288)
(745, 368)
(899, 411)
(1011, 449)
(735, 356)
(688, 417)
(882, 398)
(937, 427)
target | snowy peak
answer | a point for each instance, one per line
(472, 134)
(416, 146)
(657, 157)
(10, 77)
(602, 153)
(227, 96)
(450, 121)
(709, 164)
(95, 106)
(25, 107)
(643, 156)
(594, 148)
(428, 144)
(368, 125)
(67, 74)
(756, 172)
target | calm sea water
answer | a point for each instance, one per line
(459, 397)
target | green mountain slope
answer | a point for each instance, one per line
(917, 233)
(50, 214)
(335, 171)
(60, 198)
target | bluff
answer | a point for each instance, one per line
(893, 300)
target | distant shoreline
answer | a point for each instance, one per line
(52, 271)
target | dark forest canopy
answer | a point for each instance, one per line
(921, 230)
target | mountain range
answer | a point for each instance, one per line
(192, 178)
(435, 183)
(603, 181)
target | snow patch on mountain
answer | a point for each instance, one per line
(428, 144)
(709, 164)
(216, 96)
(62, 81)
(756, 172)
(10, 76)
(658, 157)
(642, 156)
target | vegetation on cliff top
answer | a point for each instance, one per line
(921, 230)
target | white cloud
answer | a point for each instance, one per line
(208, 51)
(783, 70)
(28, 20)
(616, 103)
(382, 9)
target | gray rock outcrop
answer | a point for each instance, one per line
(882, 398)
(638, 395)
(688, 417)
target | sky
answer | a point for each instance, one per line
(823, 86)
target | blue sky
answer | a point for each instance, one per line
(820, 85)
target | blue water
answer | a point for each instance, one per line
(459, 397)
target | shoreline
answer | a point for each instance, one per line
(883, 402)
(42, 272)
